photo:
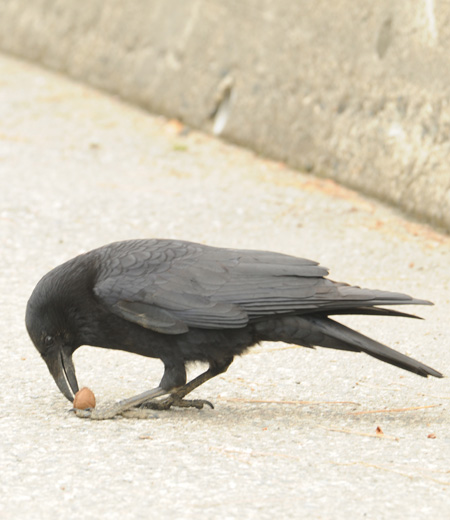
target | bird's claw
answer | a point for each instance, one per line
(83, 414)
(99, 414)
(193, 403)
(174, 400)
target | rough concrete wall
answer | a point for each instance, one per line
(355, 91)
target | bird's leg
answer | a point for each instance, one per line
(174, 377)
(172, 380)
(176, 398)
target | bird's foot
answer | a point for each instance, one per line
(100, 414)
(121, 407)
(127, 409)
(113, 411)
(174, 400)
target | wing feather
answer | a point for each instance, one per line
(169, 286)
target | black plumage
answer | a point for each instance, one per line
(181, 301)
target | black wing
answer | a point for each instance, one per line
(169, 286)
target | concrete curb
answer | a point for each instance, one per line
(353, 91)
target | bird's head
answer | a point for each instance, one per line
(50, 326)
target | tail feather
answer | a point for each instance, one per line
(319, 330)
(336, 334)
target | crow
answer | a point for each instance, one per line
(184, 302)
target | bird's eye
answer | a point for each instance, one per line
(48, 341)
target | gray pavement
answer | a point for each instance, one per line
(293, 431)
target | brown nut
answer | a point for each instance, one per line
(84, 398)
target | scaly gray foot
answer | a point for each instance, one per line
(100, 414)
(108, 412)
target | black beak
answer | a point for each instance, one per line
(61, 367)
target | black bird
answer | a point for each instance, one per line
(181, 302)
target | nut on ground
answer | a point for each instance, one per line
(84, 398)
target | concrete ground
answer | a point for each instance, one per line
(293, 433)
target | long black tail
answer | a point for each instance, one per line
(310, 331)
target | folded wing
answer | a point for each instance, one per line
(170, 286)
